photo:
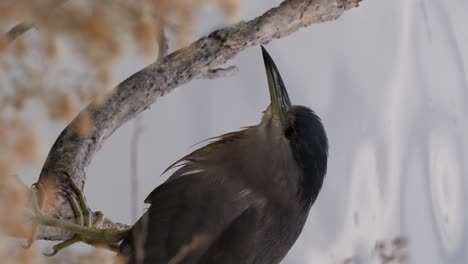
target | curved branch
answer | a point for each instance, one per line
(72, 152)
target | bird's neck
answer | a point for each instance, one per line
(312, 162)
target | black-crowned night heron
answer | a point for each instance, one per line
(241, 199)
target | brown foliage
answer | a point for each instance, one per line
(60, 53)
(90, 35)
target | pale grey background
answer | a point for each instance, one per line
(389, 81)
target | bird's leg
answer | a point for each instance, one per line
(85, 231)
(82, 217)
(58, 247)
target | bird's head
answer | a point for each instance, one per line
(302, 127)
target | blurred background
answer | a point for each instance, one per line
(388, 79)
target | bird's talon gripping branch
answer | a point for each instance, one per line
(83, 217)
(82, 210)
(85, 230)
(76, 208)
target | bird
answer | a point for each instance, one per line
(244, 197)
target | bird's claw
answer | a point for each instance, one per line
(83, 218)
(77, 238)
(58, 247)
(82, 212)
(51, 254)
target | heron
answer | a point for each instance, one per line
(243, 198)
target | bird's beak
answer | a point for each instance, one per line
(279, 96)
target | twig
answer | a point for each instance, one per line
(163, 46)
(18, 30)
(220, 72)
(23, 27)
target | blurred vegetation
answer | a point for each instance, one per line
(59, 55)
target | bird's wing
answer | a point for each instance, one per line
(187, 215)
(199, 154)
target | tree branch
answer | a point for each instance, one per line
(72, 152)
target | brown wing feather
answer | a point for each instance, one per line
(187, 215)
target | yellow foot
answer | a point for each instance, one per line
(85, 231)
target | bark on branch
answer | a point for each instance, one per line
(72, 152)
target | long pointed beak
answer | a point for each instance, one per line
(278, 94)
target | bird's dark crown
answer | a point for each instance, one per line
(309, 145)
